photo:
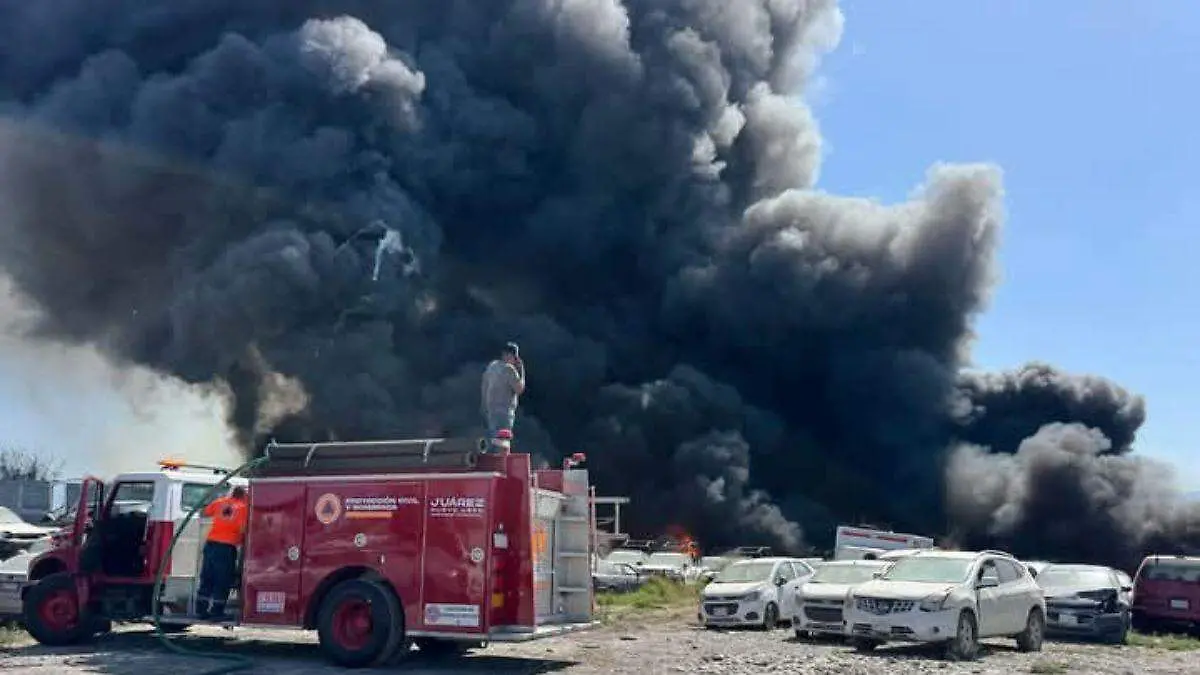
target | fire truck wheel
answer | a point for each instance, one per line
(360, 623)
(52, 613)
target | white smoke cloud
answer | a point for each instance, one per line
(71, 404)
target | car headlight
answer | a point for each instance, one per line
(934, 603)
(752, 595)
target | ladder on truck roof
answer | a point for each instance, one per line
(383, 455)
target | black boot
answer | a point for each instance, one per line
(203, 610)
(217, 613)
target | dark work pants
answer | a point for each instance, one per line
(218, 568)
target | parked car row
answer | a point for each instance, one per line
(954, 598)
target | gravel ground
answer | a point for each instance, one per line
(649, 646)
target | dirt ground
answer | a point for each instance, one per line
(647, 645)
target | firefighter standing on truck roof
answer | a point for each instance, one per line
(503, 384)
(219, 567)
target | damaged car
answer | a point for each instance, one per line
(1086, 601)
(16, 535)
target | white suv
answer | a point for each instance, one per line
(955, 598)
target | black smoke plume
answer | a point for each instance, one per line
(340, 209)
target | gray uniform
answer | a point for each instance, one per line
(499, 395)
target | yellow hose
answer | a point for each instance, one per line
(238, 662)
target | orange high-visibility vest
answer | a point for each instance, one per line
(229, 518)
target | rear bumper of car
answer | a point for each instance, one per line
(731, 612)
(910, 626)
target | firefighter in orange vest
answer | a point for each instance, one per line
(219, 566)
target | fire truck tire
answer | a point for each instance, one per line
(52, 613)
(360, 623)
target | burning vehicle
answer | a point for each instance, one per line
(1086, 600)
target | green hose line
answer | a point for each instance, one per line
(239, 662)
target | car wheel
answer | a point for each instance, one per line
(864, 644)
(1030, 639)
(1121, 635)
(770, 617)
(965, 644)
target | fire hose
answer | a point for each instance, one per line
(238, 662)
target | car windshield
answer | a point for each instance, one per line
(627, 557)
(745, 572)
(1175, 570)
(845, 574)
(1053, 577)
(929, 569)
(714, 562)
(610, 567)
(667, 559)
(7, 517)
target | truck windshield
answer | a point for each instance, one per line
(1172, 570)
(740, 573)
(1054, 577)
(845, 574)
(929, 569)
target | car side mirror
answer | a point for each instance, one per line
(988, 582)
(877, 575)
(1127, 589)
(779, 581)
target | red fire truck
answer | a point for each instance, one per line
(372, 544)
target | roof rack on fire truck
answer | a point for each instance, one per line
(381, 455)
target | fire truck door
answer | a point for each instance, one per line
(458, 539)
(272, 560)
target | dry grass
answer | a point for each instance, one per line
(11, 633)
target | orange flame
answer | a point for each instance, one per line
(686, 542)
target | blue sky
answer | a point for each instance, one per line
(1091, 110)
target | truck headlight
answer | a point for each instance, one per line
(934, 603)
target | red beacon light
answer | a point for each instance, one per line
(574, 460)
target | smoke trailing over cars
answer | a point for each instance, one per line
(339, 210)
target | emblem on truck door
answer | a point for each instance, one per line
(328, 508)
(476, 555)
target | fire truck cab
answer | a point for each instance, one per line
(375, 545)
(112, 551)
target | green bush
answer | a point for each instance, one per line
(657, 593)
